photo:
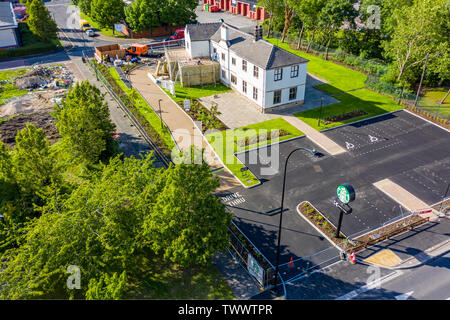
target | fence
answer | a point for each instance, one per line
(135, 121)
(248, 255)
(368, 65)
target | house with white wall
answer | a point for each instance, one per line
(9, 32)
(271, 77)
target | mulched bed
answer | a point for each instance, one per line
(247, 141)
(343, 116)
(193, 113)
(363, 241)
(42, 119)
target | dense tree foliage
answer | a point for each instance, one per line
(107, 12)
(40, 22)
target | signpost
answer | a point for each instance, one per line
(346, 194)
(255, 269)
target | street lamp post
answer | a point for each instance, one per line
(160, 114)
(314, 153)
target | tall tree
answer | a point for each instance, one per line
(107, 12)
(274, 8)
(412, 41)
(144, 15)
(187, 224)
(83, 120)
(40, 21)
(288, 14)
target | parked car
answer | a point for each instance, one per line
(214, 9)
(90, 33)
(179, 34)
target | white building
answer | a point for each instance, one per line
(271, 77)
(9, 33)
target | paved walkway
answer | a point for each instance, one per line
(403, 197)
(315, 136)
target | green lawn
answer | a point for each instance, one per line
(431, 102)
(340, 79)
(196, 92)
(226, 144)
(9, 90)
(146, 111)
(372, 103)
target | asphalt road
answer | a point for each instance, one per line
(395, 146)
(427, 282)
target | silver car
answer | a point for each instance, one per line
(90, 33)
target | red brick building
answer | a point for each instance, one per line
(248, 8)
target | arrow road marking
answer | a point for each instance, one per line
(404, 296)
(373, 139)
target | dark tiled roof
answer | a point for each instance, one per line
(204, 31)
(260, 52)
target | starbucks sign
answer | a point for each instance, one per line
(345, 193)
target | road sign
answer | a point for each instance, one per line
(255, 269)
(345, 193)
(187, 104)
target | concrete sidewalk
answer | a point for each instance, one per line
(315, 136)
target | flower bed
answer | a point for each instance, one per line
(248, 141)
(208, 118)
(344, 116)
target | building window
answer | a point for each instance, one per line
(293, 93)
(244, 65)
(294, 71)
(255, 71)
(214, 50)
(224, 74)
(276, 96)
(233, 61)
(233, 79)
(244, 86)
(223, 56)
(255, 93)
(278, 74)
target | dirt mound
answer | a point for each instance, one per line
(42, 119)
(33, 82)
(27, 104)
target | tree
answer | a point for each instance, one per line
(107, 12)
(412, 41)
(309, 12)
(273, 7)
(107, 287)
(40, 22)
(143, 15)
(333, 15)
(288, 13)
(187, 224)
(84, 123)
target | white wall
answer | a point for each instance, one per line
(285, 84)
(7, 38)
(196, 48)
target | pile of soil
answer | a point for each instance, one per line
(41, 119)
(27, 104)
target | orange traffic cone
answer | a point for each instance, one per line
(291, 263)
(353, 258)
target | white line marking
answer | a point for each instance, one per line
(404, 296)
(349, 145)
(370, 286)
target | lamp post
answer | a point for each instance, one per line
(160, 114)
(314, 153)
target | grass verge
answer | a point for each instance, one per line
(9, 90)
(370, 102)
(228, 142)
(104, 31)
(144, 108)
(340, 79)
(196, 92)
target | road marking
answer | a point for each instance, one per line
(404, 296)
(372, 138)
(370, 286)
(349, 145)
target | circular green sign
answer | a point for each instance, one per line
(345, 193)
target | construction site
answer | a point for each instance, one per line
(31, 97)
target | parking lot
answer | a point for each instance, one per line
(411, 152)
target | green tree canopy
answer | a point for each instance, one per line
(40, 21)
(107, 12)
(83, 121)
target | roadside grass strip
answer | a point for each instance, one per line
(229, 142)
(145, 109)
(340, 79)
(196, 92)
(10, 90)
(371, 103)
